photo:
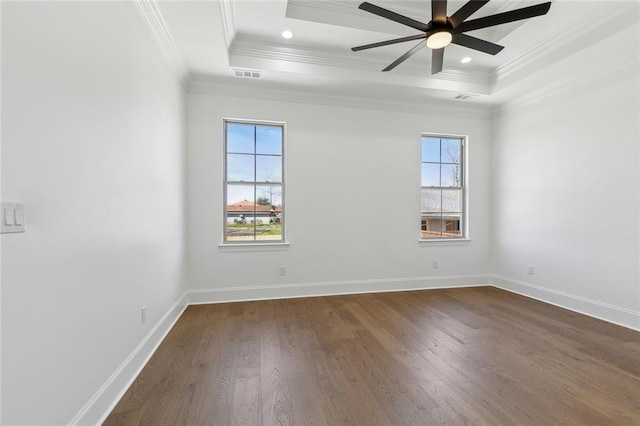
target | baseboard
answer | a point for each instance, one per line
(614, 314)
(332, 288)
(100, 405)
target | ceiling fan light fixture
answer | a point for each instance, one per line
(439, 39)
(440, 30)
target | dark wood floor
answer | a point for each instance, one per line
(457, 356)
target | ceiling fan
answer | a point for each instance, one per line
(443, 30)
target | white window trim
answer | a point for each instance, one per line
(431, 242)
(465, 238)
(244, 246)
(260, 245)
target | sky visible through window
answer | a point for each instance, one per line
(254, 154)
(441, 162)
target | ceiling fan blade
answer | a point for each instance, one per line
(476, 44)
(437, 59)
(404, 57)
(503, 18)
(401, 19)
(439, 12)
(465, 11)
(388, 42)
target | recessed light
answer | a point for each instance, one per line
(465, 60)
(287, 34)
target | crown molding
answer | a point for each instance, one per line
(591, 26)
(276, 52)
(581, 82)
(228, 12)
(250, 89)
(160, 31)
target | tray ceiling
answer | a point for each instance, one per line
(209, 41)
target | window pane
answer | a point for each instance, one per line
(269, 195)
(240, 213)
(431, 149)
(240, 138)
(431, 227)
(451, 150)
(430, 174)
(269, 140)
(240, 168)
(451, 201)
(451, 175)
(452, 228)
(242, 195)
(431, 201)
(269, 212)
(268, 168)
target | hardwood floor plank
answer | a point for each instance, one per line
(208, 392)
(298, 343)
(353, 402)
(395, 388)
(475, 356)
(247, 401)
(277, 407)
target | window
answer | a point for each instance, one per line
(442, 187)
(253, 181)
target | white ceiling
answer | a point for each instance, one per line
(208, 40)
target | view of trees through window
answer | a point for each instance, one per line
(254, 181)
(442, 187)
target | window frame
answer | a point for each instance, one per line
(282, 241)
(464, 214)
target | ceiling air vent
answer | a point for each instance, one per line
(464, 97)
(247, 73)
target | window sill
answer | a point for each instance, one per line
(445, 242)
(253, 247)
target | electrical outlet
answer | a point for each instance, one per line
(530, 270)
(434, 264)
(143, 314)
(283, 270)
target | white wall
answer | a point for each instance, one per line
(92, 131)
(92, 143)
(352, 200)
(1, 198)
(566, 186)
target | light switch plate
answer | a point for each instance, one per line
(15, 211)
